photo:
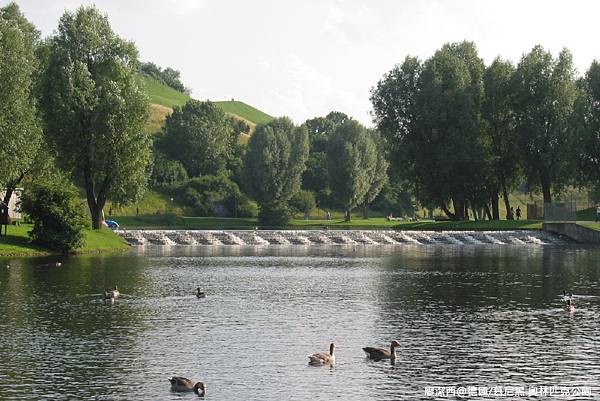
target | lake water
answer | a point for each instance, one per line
(464, 315)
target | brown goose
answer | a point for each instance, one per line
(379, 353)
(181, 384)
(323, 358)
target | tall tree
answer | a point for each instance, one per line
(448, 156)
(200, 136)
(352, 158)
(275, 161)
(500, 133)
(20, 131)
(95, 109)
(379, 178)
(320, 129)
(544, 96)
(586, 122)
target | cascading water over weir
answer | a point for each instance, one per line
(337, 237)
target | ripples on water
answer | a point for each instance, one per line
(464, 316)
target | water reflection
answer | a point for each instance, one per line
(463, 315)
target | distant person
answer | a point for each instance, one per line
(597, 212)
(328, 215)
(518, 214)
(511, 213)
(137, 211)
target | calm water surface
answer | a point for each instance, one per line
(465, 316)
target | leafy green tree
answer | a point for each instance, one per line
(352, 157)
(500, 132)
(200, 136)
(95, 109)
(320, 129)
(166, 171)
(57, 213)
(544, 97)
(168, 76)
(20, 131)
(379, 178)
(304, 202)
(586, 123)
(275, 161)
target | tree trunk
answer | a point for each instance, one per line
(495, 210)
(506, 203)
(365, 211)
(546, 190)
(459, 209)
(95, 204)
(448, 212)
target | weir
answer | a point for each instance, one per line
(337, 237)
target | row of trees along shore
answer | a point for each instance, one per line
(451, 132)
(461, 133)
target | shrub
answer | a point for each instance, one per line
(166, 172)
(274, 214)
(303, 202)
(57, 213)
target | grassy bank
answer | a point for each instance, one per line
(17, 242)
(168, 221)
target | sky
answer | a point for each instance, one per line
(305, 58)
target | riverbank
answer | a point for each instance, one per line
(17, 243)
(173, 222)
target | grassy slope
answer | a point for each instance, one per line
(162, 95)
(17, 242)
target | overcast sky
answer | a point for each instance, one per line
(304, 58)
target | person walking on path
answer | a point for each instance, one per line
(518, 213)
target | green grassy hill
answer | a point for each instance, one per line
(166, 97)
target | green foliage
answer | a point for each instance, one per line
(95, 109)
(586, 122)
(168, 76)
(200, 136)
(303, 202)
(274, 213)
(57, 213)
(544, 99)
(320, 129)
(275, 160)
(166, 171)
(352, 158)
(20, 132)
(215, 195)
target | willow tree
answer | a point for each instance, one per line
(95, 109)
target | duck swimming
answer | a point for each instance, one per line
(323, 358)
(378, 354)
(200, 294)
(569, 307)
(181, 384)
(112, 294)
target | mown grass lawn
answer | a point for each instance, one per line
(169, 221)
(17, 242)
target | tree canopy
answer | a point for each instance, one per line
(275, 161)
(20, 130)
(95, 109)
(200, 136)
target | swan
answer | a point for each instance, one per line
(379, 353)
(323, 358)
(181, 384)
